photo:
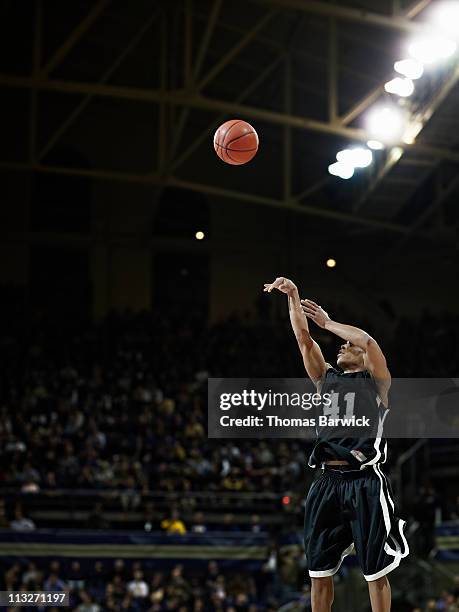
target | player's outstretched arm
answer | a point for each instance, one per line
(375, 360)
(313, 359)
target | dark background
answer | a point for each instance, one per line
(113, 315)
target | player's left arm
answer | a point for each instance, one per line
(375, 360)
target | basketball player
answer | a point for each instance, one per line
(349, 506)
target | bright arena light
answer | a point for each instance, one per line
(376, 145)
(357, 157)
(395, 154)
(331, 263)
(412, 130)
(400, 87)
(432, 49)
(410, 68)
(199, 235)
(342, 170)
(446, 18)
(386, 124)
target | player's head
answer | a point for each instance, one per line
(350, 357)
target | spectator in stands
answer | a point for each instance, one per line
(21, 522)
(119, 570)
(87, 604)
(31, 575)
(96, 581)
(198, 525)
(174, 591)
(174, 525)
(75, 576)
(137, 587)
(54, 583)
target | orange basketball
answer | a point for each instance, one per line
(236, 142)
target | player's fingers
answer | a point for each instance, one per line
(311, 303)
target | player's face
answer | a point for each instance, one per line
(350, 356)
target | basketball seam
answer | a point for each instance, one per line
(238, 137)
(231, 127)
(236, 150)
(232, 158)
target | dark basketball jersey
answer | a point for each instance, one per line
(349, 398)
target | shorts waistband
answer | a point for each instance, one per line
(343, 471)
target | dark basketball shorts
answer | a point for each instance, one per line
(352, 510)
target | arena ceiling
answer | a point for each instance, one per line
(150, 81)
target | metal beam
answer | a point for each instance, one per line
(75, 36)
(188, 47)
(289, 205)
(332, 71)
(212, 20)
(425, 115)
(184, 98)
(195, 72)
(374, 182)
(416, 7)
(278, 48)
(226, 59)
(214, 124)
(348, 14)
(440, 96)
(317, 186)
(359, 107)
(104, 78)
(414, 229)
(156, 179)
(287, 156)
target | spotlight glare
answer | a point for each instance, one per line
(395, 154)
(400, 87)
(412, 130)
(446, 18)
(432, 49)
(199, 235)
(375, 145)
(357, 157)
(331, 263)
(341, 169)
(409, 68)
(386, 124)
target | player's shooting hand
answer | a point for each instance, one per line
(315, 312)
(285, 285)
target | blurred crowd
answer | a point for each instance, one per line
(122, 404)
(448, 601)
(116, 586)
